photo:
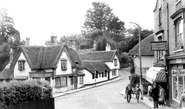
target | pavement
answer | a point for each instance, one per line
(145, 100)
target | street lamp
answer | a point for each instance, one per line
(141, 86)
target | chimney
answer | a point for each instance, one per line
(27, 41)
(54, 40)
(108, 48)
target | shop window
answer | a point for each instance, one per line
(21, 65)
(115, 62)
(63, 64)
(81, 80)
(63, 81)
(179, 40)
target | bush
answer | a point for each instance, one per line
(16, 92)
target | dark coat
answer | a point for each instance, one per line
(128, 90)
(155, 93)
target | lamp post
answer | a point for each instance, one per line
(140, 60)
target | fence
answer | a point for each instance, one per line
(38, 104)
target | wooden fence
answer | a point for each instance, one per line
(38, 104)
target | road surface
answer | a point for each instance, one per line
(103, 97)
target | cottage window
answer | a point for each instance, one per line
(57, 82)
(63, 81)
(21, 65)
(115, 62)
(114, 72)
(81, 80)
(179, 40)
(63, 64)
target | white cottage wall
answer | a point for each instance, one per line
(25, 72)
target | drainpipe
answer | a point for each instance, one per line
(168, 75)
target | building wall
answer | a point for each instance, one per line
(61, 73)
(147, 62)
(112, 67)
(64, 55)
(176, 60)
(88, 78)
(23, 73)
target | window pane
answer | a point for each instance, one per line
(57, 82)
(180, 86)
(174, 87)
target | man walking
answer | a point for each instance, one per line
(155, 95)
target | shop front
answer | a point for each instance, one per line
(178, 83)
(177, 79)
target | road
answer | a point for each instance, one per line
(103, 97)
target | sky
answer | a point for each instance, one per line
(39, 19)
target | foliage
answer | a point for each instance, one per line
(4, 55)
(8, 34)
(124, 60)
(101, 22)
(101, 44)
(132, 39)
(16, 92)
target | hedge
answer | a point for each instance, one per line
(16, 92)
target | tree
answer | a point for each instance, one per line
(8, 34)
(9, 37)
(132, 38)
(100, 21)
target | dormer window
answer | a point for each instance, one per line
(21, 65)
(63, 64)
(115, 62)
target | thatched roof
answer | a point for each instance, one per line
(76, 61)
(40, 57)
(93, 66)
(105, 56)
(145, 47)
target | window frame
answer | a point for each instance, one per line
(63, 64)
(115, 62)
(21, 65)
(81, 80)
(179, 36)
(57, 83)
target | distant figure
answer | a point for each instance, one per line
(161, 96)
(137, 92)
(155, 95)
(150, 92)
(128, 92)
(182, 100)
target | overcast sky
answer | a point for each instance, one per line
(38, 19)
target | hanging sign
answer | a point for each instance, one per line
(158, 45)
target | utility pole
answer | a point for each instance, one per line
(141, 85)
